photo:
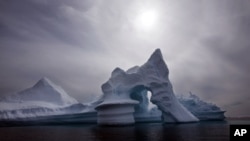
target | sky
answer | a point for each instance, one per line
(78, 43)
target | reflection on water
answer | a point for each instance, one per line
(214, 131)
(179, 132)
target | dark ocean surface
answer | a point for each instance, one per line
(202, 131)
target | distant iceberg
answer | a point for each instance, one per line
(201, 109)
(43, 99)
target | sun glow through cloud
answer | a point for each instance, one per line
(146, 20)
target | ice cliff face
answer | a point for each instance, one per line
(143, 107)
(151, 76)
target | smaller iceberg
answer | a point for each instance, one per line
(43, 99)
(202, 110)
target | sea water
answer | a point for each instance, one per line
(201, 131)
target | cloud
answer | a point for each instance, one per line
(78, 43)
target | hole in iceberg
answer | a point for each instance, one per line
(145, 111)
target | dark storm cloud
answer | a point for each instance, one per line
(42, 38)
(44, 21)
(78, 43)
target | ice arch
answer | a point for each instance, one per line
(152, 76)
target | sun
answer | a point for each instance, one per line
(146, 20)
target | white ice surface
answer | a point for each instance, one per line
(201, 109)
(44, 98)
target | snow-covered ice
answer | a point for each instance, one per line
(43, 99)
(201, 109)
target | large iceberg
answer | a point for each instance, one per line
(151, 76)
